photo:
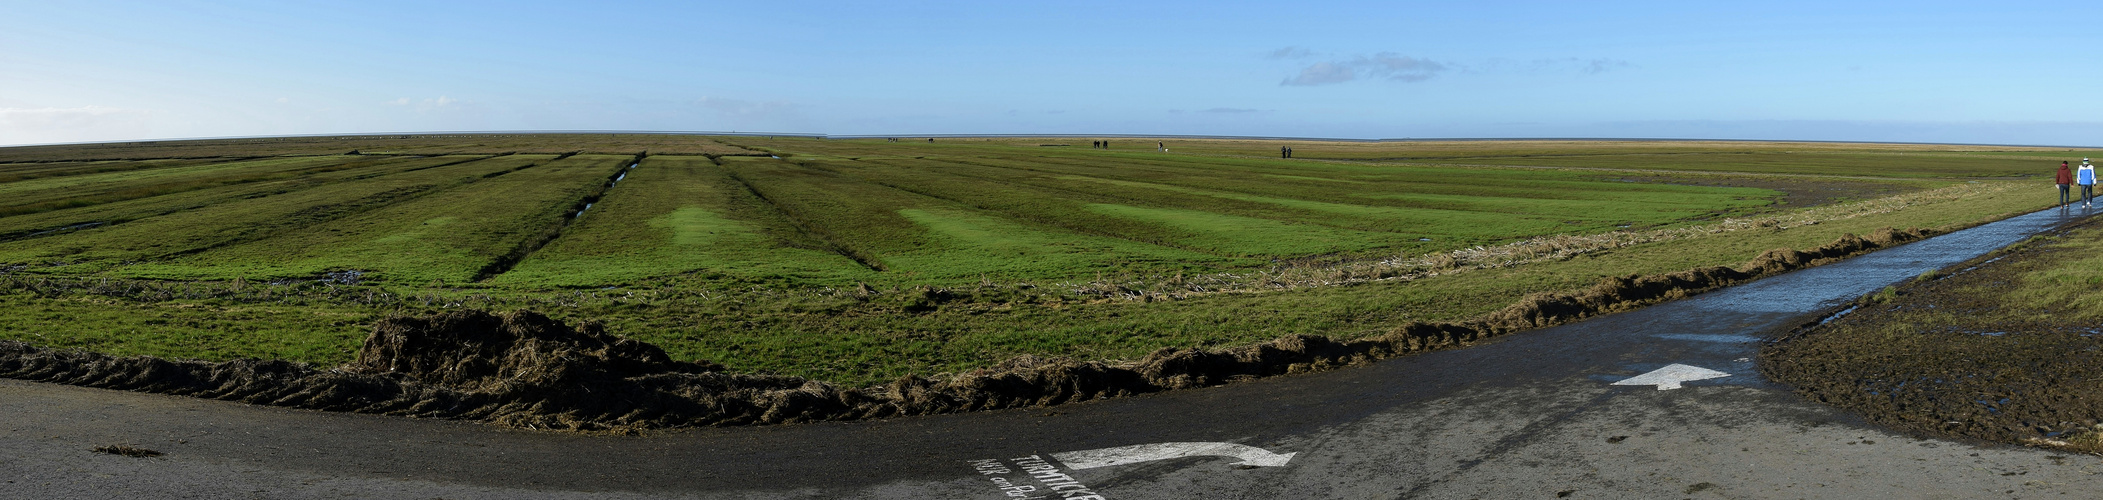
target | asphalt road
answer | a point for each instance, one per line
(1531, 415)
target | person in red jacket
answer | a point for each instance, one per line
(2065, 177)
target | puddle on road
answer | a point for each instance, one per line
(1695, 337)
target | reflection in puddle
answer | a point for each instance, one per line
(1723, 338)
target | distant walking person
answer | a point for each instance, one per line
(1163, 146)
(1284, 152)
(1288, 152)
(2087, 178)
(2064, 178)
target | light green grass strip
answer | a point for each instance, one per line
(1250, 236)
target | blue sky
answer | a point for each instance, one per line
(1877, 71)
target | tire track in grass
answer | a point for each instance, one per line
(323, 214)
(22, 171)
(113, 187)
(1146, 202)
(1176, 216)
(1350, 210)
(928, 236)
(1048, 221)
(67, 227)
(802, 222)
(503, 264)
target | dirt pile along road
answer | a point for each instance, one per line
(1950, 355)
(525, 370)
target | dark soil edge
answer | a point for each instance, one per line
(525, 370)
(2072, 422)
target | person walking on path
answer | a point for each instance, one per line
(2064, 178)
(2087, 178)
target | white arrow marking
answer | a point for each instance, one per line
(1669, 377)
(1249, 455)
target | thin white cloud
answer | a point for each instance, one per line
(1596, 66)
(1590, 66)
(1292, 53)
(1386, 65)
(1403, 68)
(1410, 69)
(1323, 73)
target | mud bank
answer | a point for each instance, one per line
(1956, 354)
(525, 370)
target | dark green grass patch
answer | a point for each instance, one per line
(15, 172)
(55, 193)
(187, 329)
(446, 238)
(256, 216)
(56, 222)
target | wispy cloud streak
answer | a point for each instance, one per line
(1387, 65)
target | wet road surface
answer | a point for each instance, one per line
(1531, 415)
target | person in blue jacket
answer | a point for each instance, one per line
(2086, 177)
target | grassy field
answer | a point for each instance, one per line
(409, 145)
(447, 237)
(674, 215)
(861, 260)
(255, 215)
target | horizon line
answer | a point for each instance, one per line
(958, 136)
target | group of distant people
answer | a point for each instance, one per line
(1162, 146)
(2085, 176)
(1285, 152)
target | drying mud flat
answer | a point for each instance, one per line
(2006, 347)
